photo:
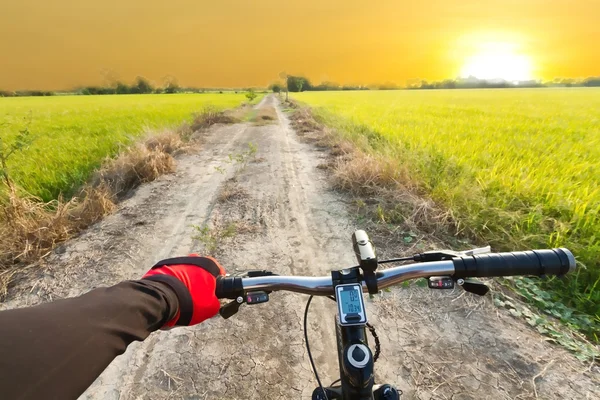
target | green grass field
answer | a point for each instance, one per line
(72, 134)
(519, 168)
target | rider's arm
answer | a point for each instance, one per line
(56, 350)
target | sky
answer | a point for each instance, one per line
(61, 44)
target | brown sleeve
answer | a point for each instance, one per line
(56, 350)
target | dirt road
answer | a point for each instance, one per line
(264, 204)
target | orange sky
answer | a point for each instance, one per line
(60, 44)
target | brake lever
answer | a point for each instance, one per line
(473, 286)
(231, 308)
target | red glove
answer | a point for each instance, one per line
(193, 279)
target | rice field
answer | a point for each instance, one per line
(519, 168)
(72, 134)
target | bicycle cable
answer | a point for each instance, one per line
(312, 363)
(391, 260)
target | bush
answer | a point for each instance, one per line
(96, 90)
(122, 88)
(276, 87)
(251, 95)
(26, 93)
(143, 85)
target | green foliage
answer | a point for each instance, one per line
(212, 238)
(518, 169)
(20, 142)
(97, 90)
(171, 85)
(241, 159)
(26, 93)
(551, 304)
(547, 325)
(276, 87)
(297, 83)
(122, 88)
(75, 133)
(252, 149)
(251, 95)
(142, 86)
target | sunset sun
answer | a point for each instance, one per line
(498, 61)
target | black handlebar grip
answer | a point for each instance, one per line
(229, 287)
(534, 262)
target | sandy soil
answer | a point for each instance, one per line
(276, 210)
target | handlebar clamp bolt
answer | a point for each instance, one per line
(239, 299)
(460, 281)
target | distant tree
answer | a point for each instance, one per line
(427, 85)
(171, 88)
(170, 84)
(276, 87)
(448, 84)
(143, 85)
(122, 88)
(26, 93)
(298, 83)
(97, 90)
(250, 95)
(592, 81)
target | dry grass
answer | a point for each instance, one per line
(231, 191)
(303, 121)
(264, 116)
(387, 193)
(31, 228)
(210, 116)
(141, 163)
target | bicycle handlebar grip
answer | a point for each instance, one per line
(229, 287)
(534, 262)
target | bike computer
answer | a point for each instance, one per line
(351, 308)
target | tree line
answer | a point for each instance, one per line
(301, 84)
(292, 83)
(140, 85)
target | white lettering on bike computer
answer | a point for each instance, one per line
(351, 308)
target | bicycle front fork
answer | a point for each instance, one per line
(380, 392)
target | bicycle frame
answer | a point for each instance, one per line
(356, 381)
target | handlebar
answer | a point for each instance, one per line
(534, 262)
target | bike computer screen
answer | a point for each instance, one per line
(350, 303)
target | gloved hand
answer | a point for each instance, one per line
(193, 279)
